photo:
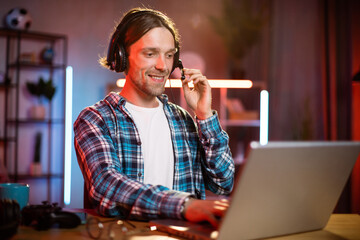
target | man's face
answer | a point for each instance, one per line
(150, 62)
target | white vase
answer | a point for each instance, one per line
(37, 112)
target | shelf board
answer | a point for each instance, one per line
(259, 84)
(9, 139)
(29, 176)
(241, 123)
(6, 85)
(31, 34)
(36, 121)
(29, 65)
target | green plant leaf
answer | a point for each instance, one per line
(239, 26)
(42, 88)
(33, 89)
(49, 90)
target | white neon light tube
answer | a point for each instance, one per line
(214, 83)
(68, 134)
(264, 117)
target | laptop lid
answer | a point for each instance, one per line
(284, 188)
(288, 187)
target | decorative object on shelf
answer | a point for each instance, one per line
(35, 168)
(240, 29)
(18, 18)
(37, 112)
(47, 55)
(27, 57)
(237, 110)
(41, 89)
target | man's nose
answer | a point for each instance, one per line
(160, 63)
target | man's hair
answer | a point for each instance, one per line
(135, 24)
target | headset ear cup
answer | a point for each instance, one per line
(112, 51)
(10, 217)
(121, 59)
(117, 61)
(176, 61)
(16, 211)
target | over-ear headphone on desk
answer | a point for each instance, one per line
(10, 217)
(117, 57)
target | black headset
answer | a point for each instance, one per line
(117, 57)
(10, 218)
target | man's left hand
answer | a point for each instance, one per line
(199, 97)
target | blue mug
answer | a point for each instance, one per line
(15, 191)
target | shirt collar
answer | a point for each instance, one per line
(115, 99)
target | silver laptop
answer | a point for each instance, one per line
(284, 188)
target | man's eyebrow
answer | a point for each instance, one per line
(174, 50)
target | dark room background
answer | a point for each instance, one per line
(307, 55)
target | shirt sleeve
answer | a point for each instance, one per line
(218, 163)
(111, 191)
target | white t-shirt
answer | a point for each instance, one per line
(156, 144)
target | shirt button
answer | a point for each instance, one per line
(139, 174)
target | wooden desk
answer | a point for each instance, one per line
(340, 226)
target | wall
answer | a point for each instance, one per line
(295, 70)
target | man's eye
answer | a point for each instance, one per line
(170, 55)
(150, 54)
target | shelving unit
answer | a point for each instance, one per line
(224, 115)
(16, 142)
(242, 131)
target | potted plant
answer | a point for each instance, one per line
(240, 27)
(42, 90)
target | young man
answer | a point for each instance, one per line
(141, 156)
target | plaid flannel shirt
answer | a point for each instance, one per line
(108, 149)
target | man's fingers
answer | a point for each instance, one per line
(222, 202)
(193, 75)
(213, 220)
(220, 207)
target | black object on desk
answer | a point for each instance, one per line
(46, 216)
